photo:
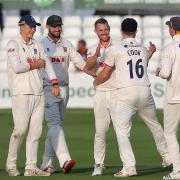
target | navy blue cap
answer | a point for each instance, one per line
(29, 20)
(129, 25)
(174, 22)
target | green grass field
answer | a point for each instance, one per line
(79, 131)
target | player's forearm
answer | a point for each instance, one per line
(18, 66)
(91, 72)
(50, 71)
(150, 53)
(101, 78)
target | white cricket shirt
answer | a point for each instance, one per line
(110, 84)
(130, 60)
(170, 70)
(60, 54)
(22, 80)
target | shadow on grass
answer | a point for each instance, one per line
(148, 171)
(110, 170)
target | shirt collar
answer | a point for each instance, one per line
(109, 44)
(30, 42)
(129, 39)
(51, 40)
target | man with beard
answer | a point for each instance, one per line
(102, 98)
(132, 94)
(60, 53)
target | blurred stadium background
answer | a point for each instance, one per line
(78, 18)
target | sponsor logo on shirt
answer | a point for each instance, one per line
(11, 50)
(57, 59)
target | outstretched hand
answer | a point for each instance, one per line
(151, 49)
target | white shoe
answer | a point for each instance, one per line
(172, 176)
(13, 172)
(98, 168)
(126, 172)
(49, 168)
(36, 172)
(166, 162)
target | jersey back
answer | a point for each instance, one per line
(131, 62)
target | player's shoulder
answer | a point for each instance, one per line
(66, 42)
(12, 42)
(43, 39)
(169, 46)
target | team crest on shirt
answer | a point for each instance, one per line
(35, 51)
(65, 49)
(89, 53)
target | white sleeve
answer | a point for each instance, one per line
(166, 63)
(110, 57)
(76, 58)
(14, 58)
(48, 68)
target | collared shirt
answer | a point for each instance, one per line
(22, 80)
(170, 65)
(60, 54)
(110, 84)
(130, 60)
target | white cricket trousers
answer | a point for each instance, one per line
(171, 123)
(102, 101)
(28, 111)
(128, 101)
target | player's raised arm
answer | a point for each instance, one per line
(92, 58)
(78, 61)
(167, 63)
(151, 49)
(108, 67)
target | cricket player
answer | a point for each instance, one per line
(25, 59)
(170, 70)
(133, 94)
(60, 52)
(102, 98)
(103, 91)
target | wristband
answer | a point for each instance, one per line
(55, 84)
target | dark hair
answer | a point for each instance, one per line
(129, 25)
(100, 21)
(82, 41)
